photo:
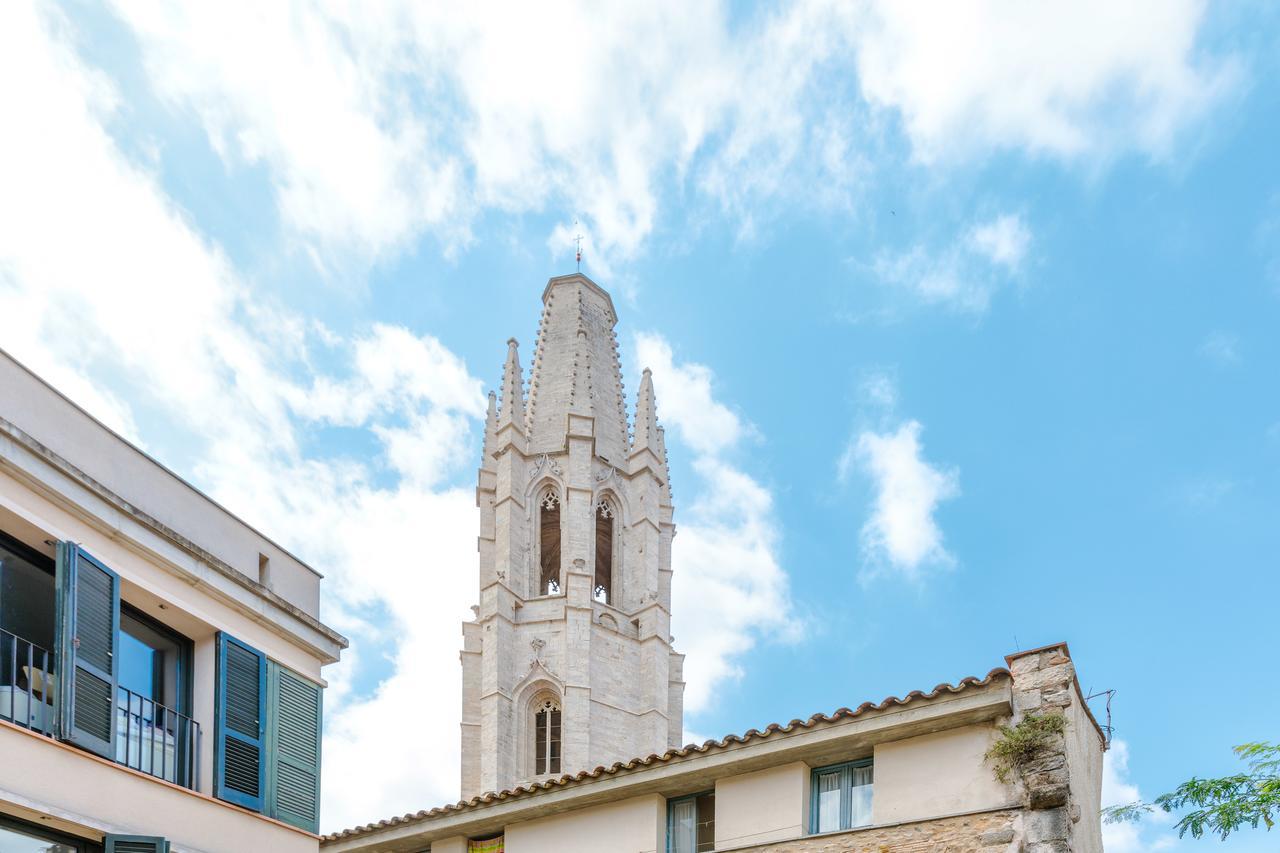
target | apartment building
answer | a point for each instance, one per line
(160, 659)
(906, 774)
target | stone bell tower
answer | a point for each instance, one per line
(569, 663)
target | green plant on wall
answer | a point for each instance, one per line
(1023, 743)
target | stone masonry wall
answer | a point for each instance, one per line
(989, 832)
(1044, 683)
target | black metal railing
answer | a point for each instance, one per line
(157, 740)
(26, 683)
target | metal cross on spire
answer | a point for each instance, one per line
(578, 243)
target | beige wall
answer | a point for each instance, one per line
(934, 775)
(190, 610)
(59, 425)
(637, 825)
(83, 791)
(767, 805)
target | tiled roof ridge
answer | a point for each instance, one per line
(671, 754)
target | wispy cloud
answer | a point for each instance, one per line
(729, 587)
(965, 273)
(378, 125)
(1221, 348)
(1070, 82)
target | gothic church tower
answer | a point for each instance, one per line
(568, 664)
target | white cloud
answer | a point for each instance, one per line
(1003, 241)
(1068, 80)
(378, 124)
(143, 296)
(1118, 790)
(1221, 348)
(902, 534)
(965, 274)
(729, 588)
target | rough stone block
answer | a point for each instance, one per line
(1051, 824)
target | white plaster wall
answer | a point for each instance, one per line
(935, 775)
(68, 431)
(637, 825)
(95, 795)
(188, 609)
(768, 805)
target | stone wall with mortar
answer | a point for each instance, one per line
(1062, 784)
(988, 832)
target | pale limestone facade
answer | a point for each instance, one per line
(600, 649)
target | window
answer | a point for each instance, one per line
(20, 837)
(600, 590)
(546, 737)
(152, 698)
(841, 797)
(691, 824)
(549, 543)
(27, 636)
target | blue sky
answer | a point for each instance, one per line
(962, 320)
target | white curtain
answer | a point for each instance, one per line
(684, 826)
(829, 802)
(861, 811)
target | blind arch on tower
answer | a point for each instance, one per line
(606, 539)
(548, 542)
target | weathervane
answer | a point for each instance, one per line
(578, 243)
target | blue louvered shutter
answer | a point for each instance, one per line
(135, 844)
(294, 711)
(240, 725)
(88, 634)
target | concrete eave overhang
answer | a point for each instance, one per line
(820, 740)
(62, 483)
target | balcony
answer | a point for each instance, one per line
(157, 740)
(149, 737)
(26, 684)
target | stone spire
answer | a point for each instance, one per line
(512, 389)
(646, 435)
(576, 369)
(490, 433)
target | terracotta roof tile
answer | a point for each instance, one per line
(670, 755)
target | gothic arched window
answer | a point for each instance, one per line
(549, 543)
(546, 737)
(602, 589)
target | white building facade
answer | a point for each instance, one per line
(160, 659)
(569, 662)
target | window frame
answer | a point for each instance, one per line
(671, 817)
(184, 668)
(539, 709)
(42, 833)
(845, 768)
(41, 561)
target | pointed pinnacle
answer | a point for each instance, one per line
(512, 388)
(646, 431)
(490, 431)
